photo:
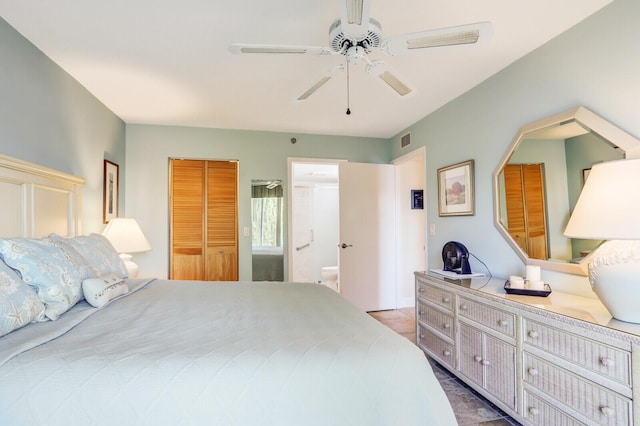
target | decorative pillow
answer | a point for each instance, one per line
(19, 304)
(99, 291)
(53, 269)
(98, 251)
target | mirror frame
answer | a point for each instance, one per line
(591, 122)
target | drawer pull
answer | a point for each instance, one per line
(607, 411)
(446, 300)
(534, 411)
(446, 326)
(485, 362)
(420, 312)
(446, 352)
(422, 337)
(463, 307)
(607, 362)
(533, 371)
(421, 290)
(533, 334)
(477, 358)
(502, 323)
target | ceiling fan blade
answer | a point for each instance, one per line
(381, 70)
(311, 90)
(354, 17)
(279, 49)
(321, 82)
(395, 83)
(451, 36)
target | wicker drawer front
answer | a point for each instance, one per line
(496, 319)
(598, 357)
(435, 295)
(437, 347)
(436, 319)
(539, 412)
(603, 406)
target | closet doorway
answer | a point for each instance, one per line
(203, 220)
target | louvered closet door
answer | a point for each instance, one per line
(187, 219)
(222, 221)
(204, 220)
(515, 205)
(524, 189)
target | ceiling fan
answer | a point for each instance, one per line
(355, 35)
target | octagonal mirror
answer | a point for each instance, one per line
(539, 179)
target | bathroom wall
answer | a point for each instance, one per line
(325, 226)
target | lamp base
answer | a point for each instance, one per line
(614, 273)
(132, 268)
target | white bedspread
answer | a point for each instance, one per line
(202, 353)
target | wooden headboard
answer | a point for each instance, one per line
(36, 200)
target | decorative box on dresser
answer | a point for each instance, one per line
(556, 360)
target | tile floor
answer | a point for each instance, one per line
(470, 408)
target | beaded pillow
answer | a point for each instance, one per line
(19, 304)
(55, 270)
(100, 290)
(98, 251)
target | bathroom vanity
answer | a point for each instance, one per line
(555, 360)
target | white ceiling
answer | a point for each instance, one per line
(167, 62)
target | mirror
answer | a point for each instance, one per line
(267, 249)
(538, 181)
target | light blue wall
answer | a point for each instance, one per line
(582, 153)
(262, 155)
(48, 118)
(595, 64)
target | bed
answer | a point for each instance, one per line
(267, 264)
(161, 352)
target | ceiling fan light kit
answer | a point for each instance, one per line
(355, 35)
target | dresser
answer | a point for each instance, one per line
(556, 360)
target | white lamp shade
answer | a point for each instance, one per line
(609, 204)
(126, 236)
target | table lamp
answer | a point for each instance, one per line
(126, 237)
(609, 209)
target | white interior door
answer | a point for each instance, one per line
(367, 235)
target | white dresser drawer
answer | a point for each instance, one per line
(603, 359)
(539, 412)
(438, 320)
(436, 295)
(496, 319)
(603, 406)
(437, 347)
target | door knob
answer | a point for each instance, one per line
(344, 245)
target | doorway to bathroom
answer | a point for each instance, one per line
(314, 218)
(396, 243)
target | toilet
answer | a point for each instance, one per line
(330, 277)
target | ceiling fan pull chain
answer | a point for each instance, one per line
(348, 101)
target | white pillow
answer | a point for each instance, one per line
(99, 291)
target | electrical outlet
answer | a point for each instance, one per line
(246, 231)
(432, 229)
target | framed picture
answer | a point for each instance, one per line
(455, 190)
(417, 199)
(110, 191)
